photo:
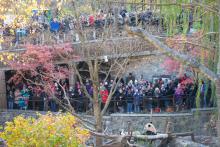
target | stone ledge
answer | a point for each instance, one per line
(21, 111)
(161, 114)
(153, 115)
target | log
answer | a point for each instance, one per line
(187, 59)
(121, 139)
(183, 134)
(151, 137)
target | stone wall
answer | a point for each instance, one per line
(147, 66)
(195, 121)
(159, 120)
(8, 115)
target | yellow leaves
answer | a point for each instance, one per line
(47, 130)
(3, 17)
(21, 10)
(1, 40)
(11, 31)
(7, 56)
(1, 58)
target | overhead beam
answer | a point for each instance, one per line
(79, 43)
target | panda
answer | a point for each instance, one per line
(149, 129)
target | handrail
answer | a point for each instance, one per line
(85, 101)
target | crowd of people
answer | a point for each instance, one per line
(139, 95)
(67, 24)
(131, 96)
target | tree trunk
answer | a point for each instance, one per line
(98, 129)
(218, 82)
(96, 104)
(97, 114)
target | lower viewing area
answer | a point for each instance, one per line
(133, 95)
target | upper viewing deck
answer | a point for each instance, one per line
(85, 29)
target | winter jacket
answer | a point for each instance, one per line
(104, 95)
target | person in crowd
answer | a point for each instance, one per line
(130, 78)
(10, 100)
(66, 25)
(137, 101)
(17, 97)
(88, 85)
(120, 98)
(100, 15)
(104, 95)
(43, 101)
(25, 97)
(20, 100)
(178, 97)
(157, 95)
(164, 96)
(54, 25)
(100, 19)
(81, 100)
(91, 20)
(110, 85)
(130, 99)
(203, 94)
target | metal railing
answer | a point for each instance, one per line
(82, 104)
(108, 29)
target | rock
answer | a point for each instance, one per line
(181, 142)
(205, 140)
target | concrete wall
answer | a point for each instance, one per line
(195, 121)
(3, 102)
(147, 66)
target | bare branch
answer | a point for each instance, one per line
(81, 81)
(184, 58)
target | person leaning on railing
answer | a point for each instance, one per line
(120, 100)
(137, 100)
(130, 99)
(10, 100)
